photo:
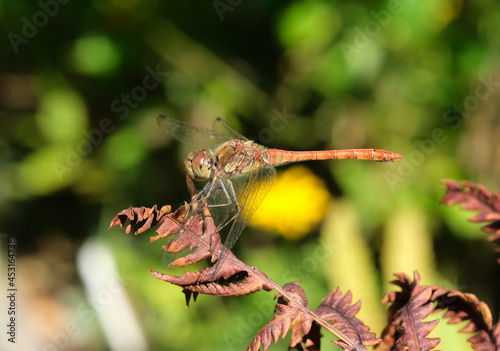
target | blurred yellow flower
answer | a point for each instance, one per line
(296, 203)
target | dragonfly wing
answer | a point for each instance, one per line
(223, 127)
(198, 137)
(252, 190)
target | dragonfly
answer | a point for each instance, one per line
(240, 172)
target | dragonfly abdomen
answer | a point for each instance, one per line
(280, 157)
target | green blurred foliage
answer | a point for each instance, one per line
(81, 84)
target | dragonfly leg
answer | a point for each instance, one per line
(209, 189)
(227, 197)
(205, 194)
(231, 199)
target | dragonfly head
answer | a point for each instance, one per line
(198, 165)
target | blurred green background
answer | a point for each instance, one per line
(81, 85)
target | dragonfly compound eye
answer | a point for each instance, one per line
(198, 165)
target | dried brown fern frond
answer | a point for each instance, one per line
(475, 197)
(415, 302)
(405, 327)
(198, 233)
(467, 307)
(335, 309)
(191, 229)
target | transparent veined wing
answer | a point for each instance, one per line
(250, 189)
(198, 137)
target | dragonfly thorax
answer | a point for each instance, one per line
(198, 165)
